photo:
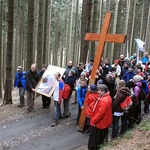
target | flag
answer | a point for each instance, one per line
(140, 45)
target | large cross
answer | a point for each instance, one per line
(102, 38)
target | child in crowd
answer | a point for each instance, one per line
(91, 99)
(81, 93)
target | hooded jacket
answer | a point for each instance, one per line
(81, 92)
(102, 112)
(137, 88)
(120, 97)
(128, 75)
(90, 101)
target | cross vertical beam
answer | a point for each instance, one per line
(101, 38)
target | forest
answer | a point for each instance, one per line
(53, 31)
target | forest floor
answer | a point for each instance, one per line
(20, 131)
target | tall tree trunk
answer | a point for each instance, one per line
(35, 29)
(4, 43)
(132, 26)
(47, 24)
(75, 32)
(117, 47)
(55, 51)
(94, 25)
(62, 52)
(114, 29)
(85, 28)
(30, 33)
(147, 37)
(45, 50)
(100, 15)
(70, 33)
(142, 16)
(49, 32)
(39, 60)
(1, 12)
(8, 83)
(67, 32)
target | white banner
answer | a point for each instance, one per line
(140, 45)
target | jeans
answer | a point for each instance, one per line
(115, 126)
(57, 114)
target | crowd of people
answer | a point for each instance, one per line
(114, 82)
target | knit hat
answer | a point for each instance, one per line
(100, 81)
(93, 88)
(137, 78)
(19, 68)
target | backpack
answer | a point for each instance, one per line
(66, 92)
(142, 94)
(127, 103)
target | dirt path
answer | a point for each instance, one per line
(20, 131)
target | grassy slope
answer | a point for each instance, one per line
(135, 139)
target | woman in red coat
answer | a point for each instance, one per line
(101, 118)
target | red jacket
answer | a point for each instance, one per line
(102, 112)
(92, 97)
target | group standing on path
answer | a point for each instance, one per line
(126, 77)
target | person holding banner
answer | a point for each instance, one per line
(45, 100)
(32, 78)
(57, 95)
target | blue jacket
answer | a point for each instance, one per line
(145, 86)
(144, 60)
(128, 75)
(22, 79)
(81, 92)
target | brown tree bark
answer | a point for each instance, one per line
(8, 83)
(30, 34)
(85, 28)
(1, 13)
(40, 38)
(75, 33)
(55, 51)
(94, 26)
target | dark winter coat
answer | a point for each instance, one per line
(32, 79)
(78, 72)
(68, 68)
(70, 80)
(128, 75)
(120, 97)
(106, 68)
(110, 84)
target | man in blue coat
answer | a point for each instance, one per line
(81, 93)
(129, 74)
(20, 82)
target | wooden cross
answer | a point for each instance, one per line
(101, 38)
